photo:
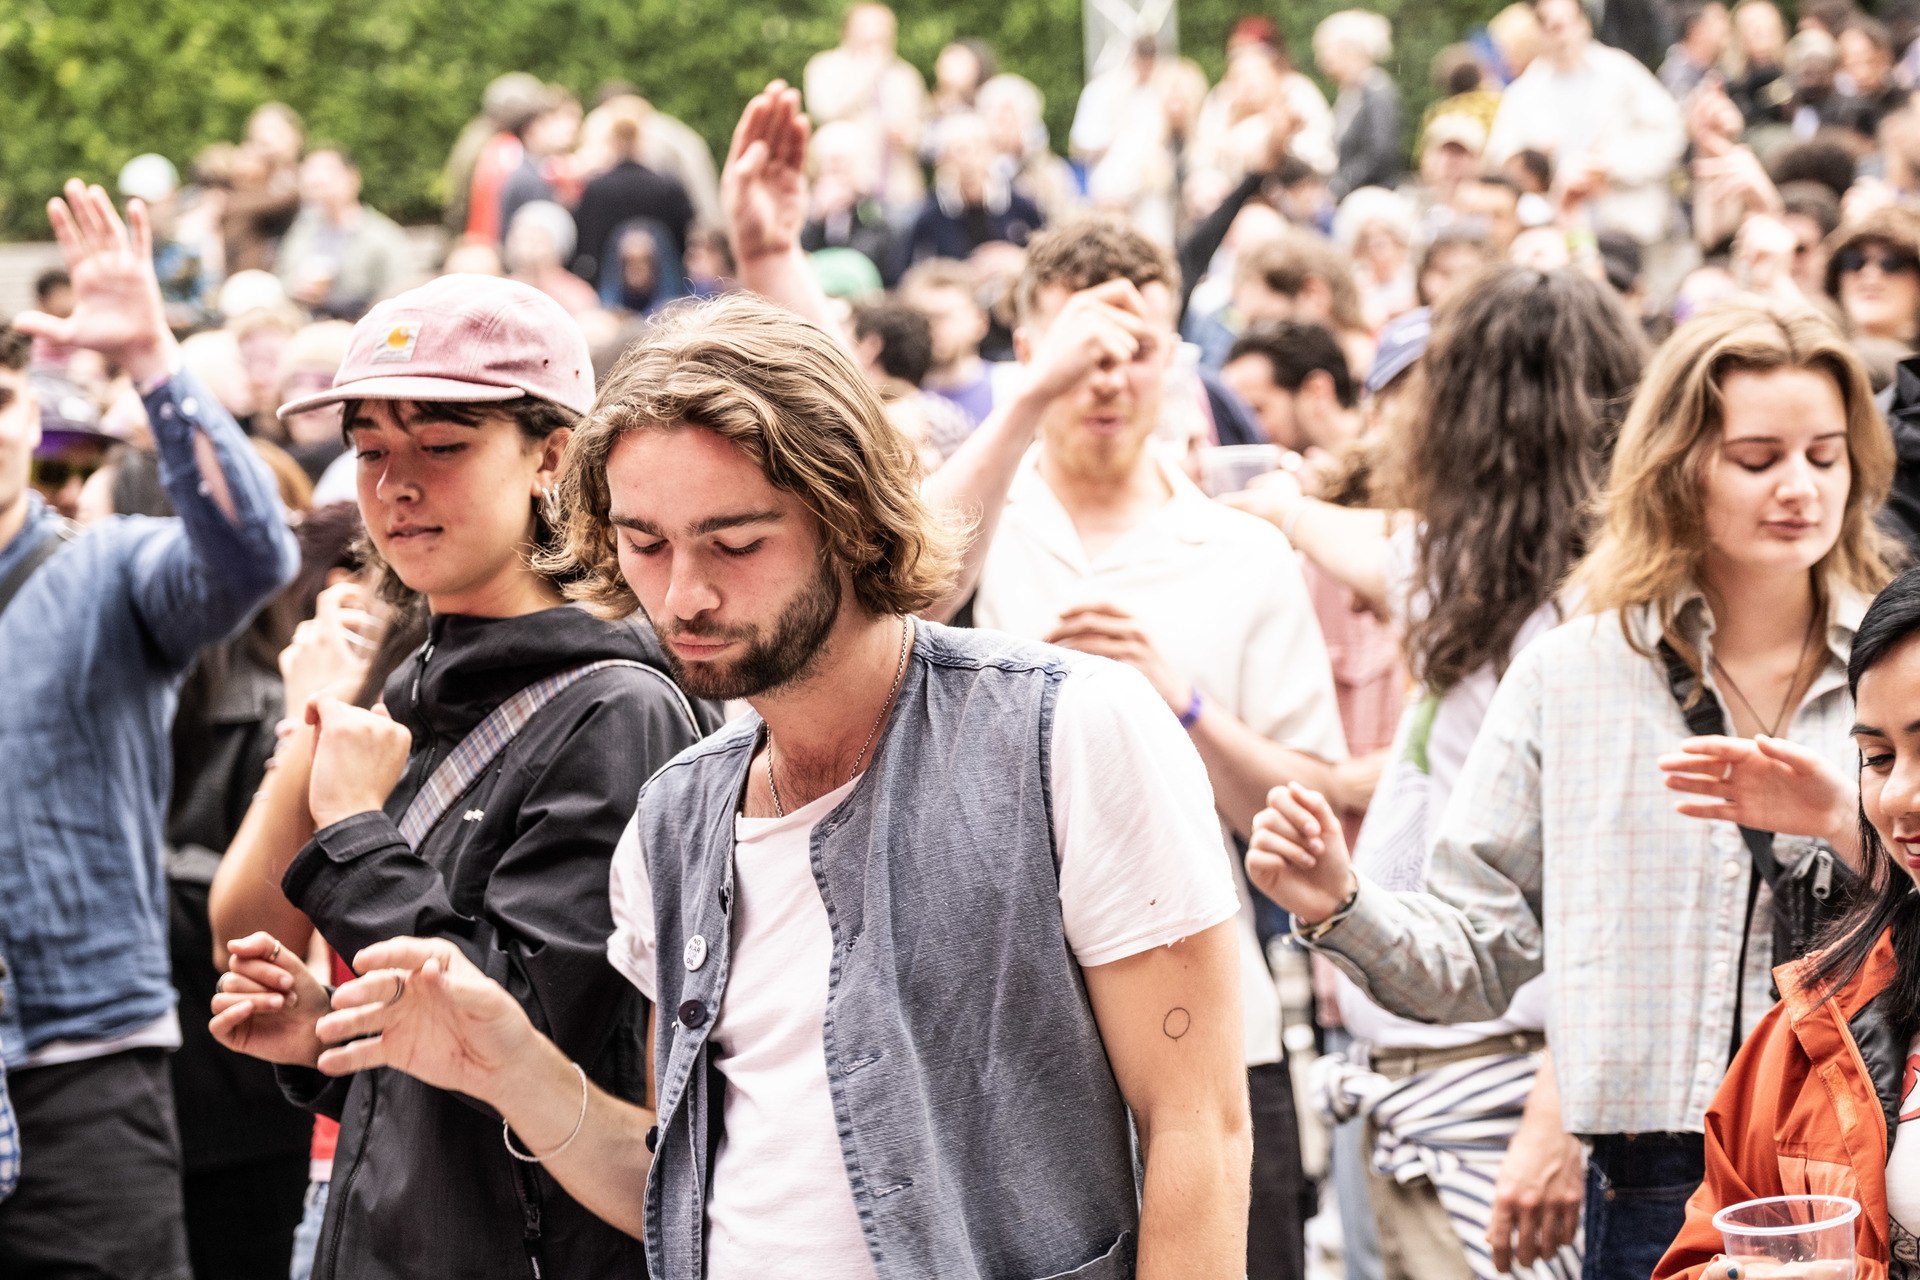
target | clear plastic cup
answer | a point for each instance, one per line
(1232, 467)
(1803, 1237)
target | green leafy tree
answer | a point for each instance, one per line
(91, 83)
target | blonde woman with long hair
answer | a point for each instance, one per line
(1737, 536)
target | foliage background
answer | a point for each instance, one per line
(91, 83)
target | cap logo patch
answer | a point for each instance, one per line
(397, 346)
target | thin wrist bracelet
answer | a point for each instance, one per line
(579, 1122)
(1314, 932)
(1191, 716)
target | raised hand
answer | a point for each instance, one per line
(1282, 126)
(117, 309)
(329, 652)
(1097, 327)
(764, 184)
(423, 1008)
(268, 1002)
(1713, 121)
(1298, 854)
(1768, 784)
(1764, 251)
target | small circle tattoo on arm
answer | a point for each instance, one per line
(1178, 1023)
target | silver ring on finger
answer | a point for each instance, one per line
(399, 988)
(274, 954)
(1727, 776)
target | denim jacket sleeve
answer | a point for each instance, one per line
(204, 578)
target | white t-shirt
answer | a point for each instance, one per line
(1903, 1172)
(1140, 867)
(162, 1033)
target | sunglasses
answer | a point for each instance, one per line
(1892, 262)
(58, 473)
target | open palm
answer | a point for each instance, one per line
(447, 1024)
(117, 308)
(1767, 783)
(764, 184)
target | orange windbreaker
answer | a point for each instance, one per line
(1797, 1115)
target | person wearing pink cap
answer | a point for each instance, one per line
(939, 932)
(479, 804)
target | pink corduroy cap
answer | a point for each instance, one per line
(463, 338)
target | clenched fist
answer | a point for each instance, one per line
(358, 756)
(1298, 855)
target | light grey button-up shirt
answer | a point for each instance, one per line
(1560, 848)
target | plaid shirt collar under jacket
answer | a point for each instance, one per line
(1560, 848)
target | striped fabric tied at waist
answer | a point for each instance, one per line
(1451, 1126)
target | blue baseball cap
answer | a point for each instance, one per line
(1402, 343)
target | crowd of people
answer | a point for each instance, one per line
(1337, 705)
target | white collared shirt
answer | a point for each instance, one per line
(1221, 595)
(1560, 850)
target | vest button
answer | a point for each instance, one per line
(693, 1014)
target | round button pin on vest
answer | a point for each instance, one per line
(693, 1014)
(696, 953)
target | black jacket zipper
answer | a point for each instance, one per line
(342, 1188)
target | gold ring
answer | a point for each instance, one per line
(274, 954)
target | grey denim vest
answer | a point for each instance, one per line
(979, 1120)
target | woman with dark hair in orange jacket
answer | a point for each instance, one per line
(1822, 1100)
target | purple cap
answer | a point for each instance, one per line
(463, 338)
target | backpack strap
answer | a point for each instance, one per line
(486, 740)
(1705, 720)
(63, 533)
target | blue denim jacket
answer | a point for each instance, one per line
(92, 652)
(981, 1126)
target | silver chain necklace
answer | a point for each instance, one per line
(899, 674)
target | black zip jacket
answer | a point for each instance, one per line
(515, 873)
(1901, 516)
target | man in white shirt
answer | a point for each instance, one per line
(1104, 547)
(1614, 132)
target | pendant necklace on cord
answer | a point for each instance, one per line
(899, 675)
(1793, 686)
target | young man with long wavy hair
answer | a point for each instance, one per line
(939, 936)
